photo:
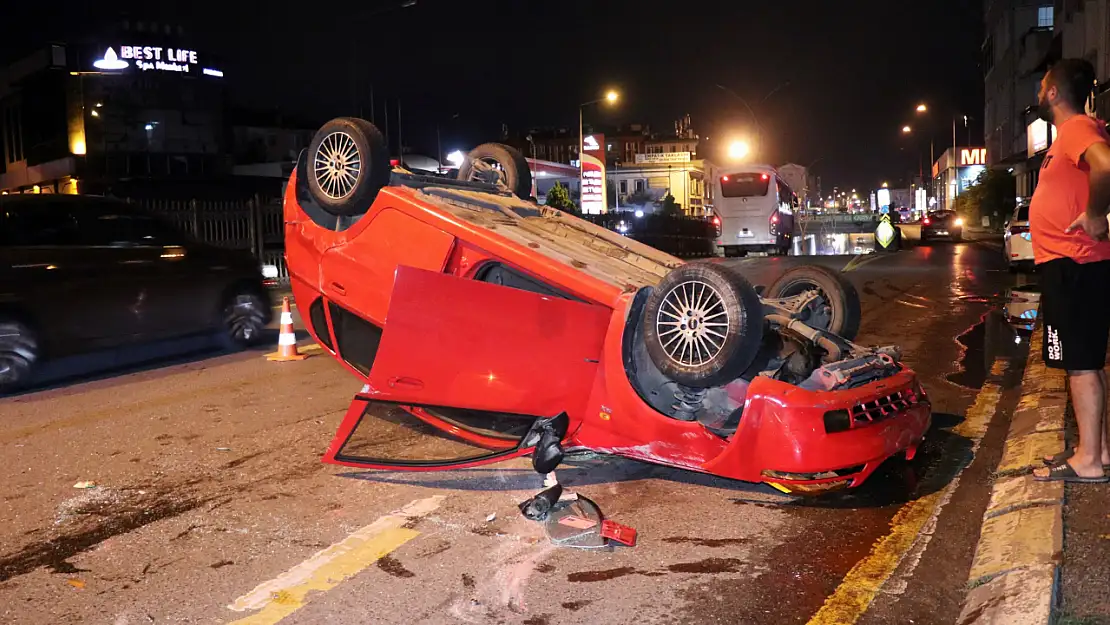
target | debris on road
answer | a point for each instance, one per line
(85, 485)
(76, 583)
(537, 508)
(491, 517)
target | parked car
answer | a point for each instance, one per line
(942, 225)
(1019, 240)
(80, 274)
(485, 327)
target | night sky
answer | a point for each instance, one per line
(845, 76)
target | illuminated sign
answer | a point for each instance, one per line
(156, 58)
(110, 61)
(883, 197)
(1037, 137)
(885, 233)
(592, 175)
(973, 156)
(664, 158)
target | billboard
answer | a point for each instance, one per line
(151, 58)
(663, 158)
(592, 175)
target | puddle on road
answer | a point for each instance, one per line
(1001, 333)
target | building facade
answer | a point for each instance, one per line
(1019, 35)
(954, 172)
(132, 102)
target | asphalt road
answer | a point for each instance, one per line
(211, 504)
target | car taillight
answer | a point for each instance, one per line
(716, 220)
(724, 178)
(764, 177)
(774, 228)
(928, 221)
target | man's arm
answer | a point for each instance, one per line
(1097, 157)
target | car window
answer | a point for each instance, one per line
(1023, 212)
(113, 224)
(745, 185)
(39, 225)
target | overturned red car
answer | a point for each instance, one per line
(486, 327)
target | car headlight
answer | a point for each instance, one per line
(959, 221)
(269, 271)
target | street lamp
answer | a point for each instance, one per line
(611, 97)
(738, 150)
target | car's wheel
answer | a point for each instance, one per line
(496, 161)
(703, 325)
(347, 164)
(19, 352)
(839, 309)
(244, 319)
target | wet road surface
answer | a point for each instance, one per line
(212, 506)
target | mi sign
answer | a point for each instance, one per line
(973, 156)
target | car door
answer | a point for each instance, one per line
(74, 292)
(465, 372)
(172, 293)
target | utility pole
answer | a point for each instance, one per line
(400, 139)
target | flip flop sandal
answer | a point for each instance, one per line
(1064, 473)
(1064, 456)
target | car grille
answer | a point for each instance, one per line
(866, 413)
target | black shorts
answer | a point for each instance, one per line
(1075, 312)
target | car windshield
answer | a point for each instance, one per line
(1023, 213)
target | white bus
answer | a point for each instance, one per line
(756, 208)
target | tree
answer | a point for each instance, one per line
(670, 207)
(991, 195)
(559, 197)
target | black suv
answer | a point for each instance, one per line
(84, 273)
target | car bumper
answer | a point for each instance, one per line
(783, 440)
(954, 233)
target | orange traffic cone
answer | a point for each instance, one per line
(287, 340)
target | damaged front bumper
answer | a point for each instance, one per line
(813, 441)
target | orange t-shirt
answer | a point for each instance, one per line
(1061, 195)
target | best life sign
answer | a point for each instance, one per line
(156, 58)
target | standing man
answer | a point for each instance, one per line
(1067, 219)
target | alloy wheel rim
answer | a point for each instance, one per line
(692, 323)
(244, 318)
(337, 165)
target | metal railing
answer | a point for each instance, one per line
(253, 224)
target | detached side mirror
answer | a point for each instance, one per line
(546, 436)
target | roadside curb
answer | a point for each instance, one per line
(1016, 570)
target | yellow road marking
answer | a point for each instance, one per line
(905, 303)
(856, 262)
(287, 593)
(860, 586)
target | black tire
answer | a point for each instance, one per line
(19, 353)
(840, 295)
(728, 295)
(514, 167)
(330, 166)
(244, 319)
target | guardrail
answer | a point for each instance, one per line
(253, 224)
